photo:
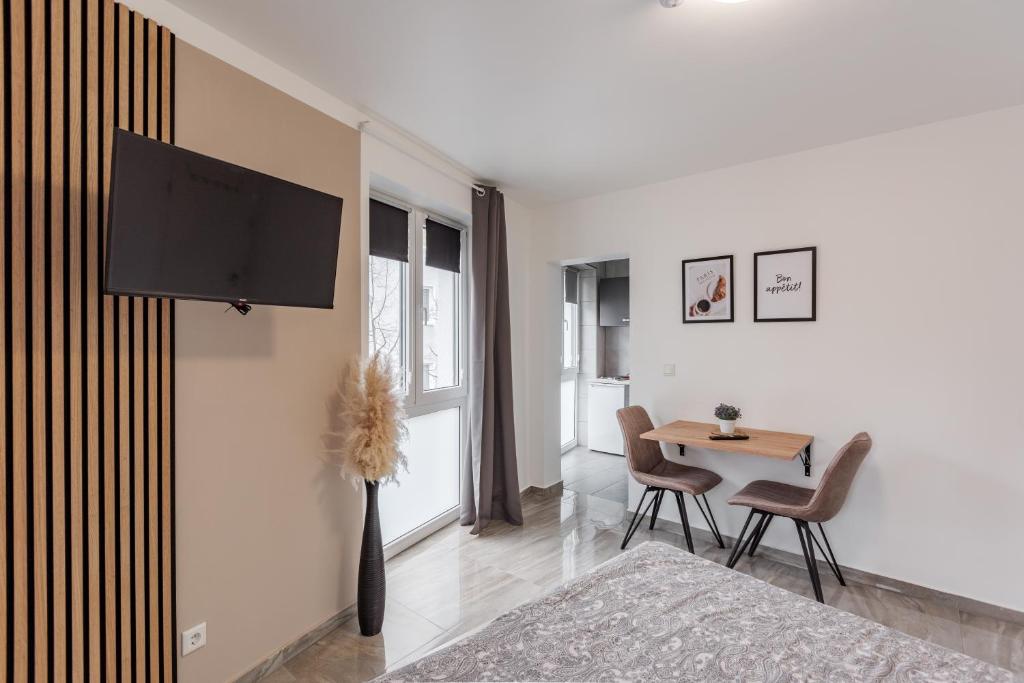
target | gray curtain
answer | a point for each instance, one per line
(490, 487)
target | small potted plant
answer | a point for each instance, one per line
(727, 416)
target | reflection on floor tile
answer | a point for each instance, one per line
(453, 583)
(345, 655)
(592, 472)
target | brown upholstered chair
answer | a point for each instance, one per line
(649, 467)
(804, 506)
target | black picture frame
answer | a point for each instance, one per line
(814, 286)
(730, 284)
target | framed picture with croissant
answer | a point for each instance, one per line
(707, 290)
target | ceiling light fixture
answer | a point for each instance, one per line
(677, 3)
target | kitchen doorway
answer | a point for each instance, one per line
(595, 377)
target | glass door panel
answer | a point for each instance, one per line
(431, 486)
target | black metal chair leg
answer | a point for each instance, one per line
(815, 577)
(736, 552)
(638, 518)
(657, 508)
(748, 541)
(714, 522)
(756, 533)
(760, 535)
(685, 520)
(812, 564)
(827, 553)
(710, 519)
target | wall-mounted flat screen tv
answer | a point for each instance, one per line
(187, 226)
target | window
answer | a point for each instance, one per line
(441, 322)
(417, 309)
(388, 334)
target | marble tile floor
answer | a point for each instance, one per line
(452, 583)
(595, 473)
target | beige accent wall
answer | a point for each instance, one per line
(267, 535)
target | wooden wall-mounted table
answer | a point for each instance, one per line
(778, 445)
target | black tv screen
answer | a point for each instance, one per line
(187, 226)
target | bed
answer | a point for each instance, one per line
(657, 613)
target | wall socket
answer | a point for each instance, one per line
(193, 639)
(669, 370)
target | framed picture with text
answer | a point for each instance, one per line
(707, 290)
(785, 284)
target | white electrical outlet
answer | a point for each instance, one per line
(669, 370)
(193, 639)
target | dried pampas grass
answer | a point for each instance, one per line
(373, 419)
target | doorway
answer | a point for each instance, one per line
(595, 377)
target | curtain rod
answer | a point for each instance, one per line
(363, 128)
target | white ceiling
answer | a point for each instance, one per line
(558, 99)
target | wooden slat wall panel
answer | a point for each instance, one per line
(58, 219)
(73, 305)
(164, 395)
(15, 237)
(121, 343)
(137, 400)
(90, 293)
(86, 382)
(108, 574)
(36, 300)
(6, 653)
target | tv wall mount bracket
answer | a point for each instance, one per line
(241, 306)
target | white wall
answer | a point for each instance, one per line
(389, 169)
(519, 230)
(920, 244)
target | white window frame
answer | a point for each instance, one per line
(422, 400)
(418, 400)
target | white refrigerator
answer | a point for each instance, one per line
(603, 399)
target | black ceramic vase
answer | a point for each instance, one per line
(370, 603)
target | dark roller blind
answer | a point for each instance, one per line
(444, 247)
(389, 231)
(571, 286)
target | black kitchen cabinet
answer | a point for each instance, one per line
(613, 302)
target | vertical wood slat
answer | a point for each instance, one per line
(35, 179)
(138, 389)
(168, 644)
(138, 503)
(152, 455)
(6, 654)
(93, 459)
(123, 378)
(110, 559)
(16, 322)
(153, 532)
(86, 478)
(57, 395)
(73, 307)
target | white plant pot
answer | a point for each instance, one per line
(727, 426)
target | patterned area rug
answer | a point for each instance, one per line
(657, 613)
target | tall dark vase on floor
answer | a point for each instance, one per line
(370, 603)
